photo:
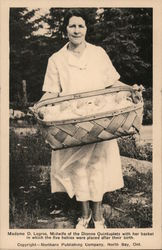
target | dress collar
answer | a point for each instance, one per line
(65, 47)
(77, 62)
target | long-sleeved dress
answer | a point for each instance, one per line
(91, 170)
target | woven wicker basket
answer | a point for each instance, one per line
(91, 128)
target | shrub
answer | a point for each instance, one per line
(129, 148)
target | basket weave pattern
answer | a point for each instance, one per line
(86, 130)
(67, 135)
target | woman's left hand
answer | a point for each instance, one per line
(137, 94)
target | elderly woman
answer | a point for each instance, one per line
(91, 170)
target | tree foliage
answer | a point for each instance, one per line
(127, 38)
(125, 33)
(20, 53)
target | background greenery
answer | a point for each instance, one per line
(125, 33)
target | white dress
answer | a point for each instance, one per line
(90, 170)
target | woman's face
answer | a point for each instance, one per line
(76, 30)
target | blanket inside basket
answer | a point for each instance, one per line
(73, 109)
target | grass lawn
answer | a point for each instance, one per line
(31, 200)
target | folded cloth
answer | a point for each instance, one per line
(85, 106)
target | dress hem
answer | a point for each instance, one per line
(89, 199)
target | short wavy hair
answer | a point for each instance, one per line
(79, 12)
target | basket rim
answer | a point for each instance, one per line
(53, 100)
(109, 90)
(96, 116)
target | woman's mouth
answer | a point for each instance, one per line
(76, 36)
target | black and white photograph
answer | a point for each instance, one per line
(88, 72)
(80, 124)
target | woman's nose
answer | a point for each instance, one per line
(76, 30)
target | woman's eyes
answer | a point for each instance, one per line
(74, 26)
